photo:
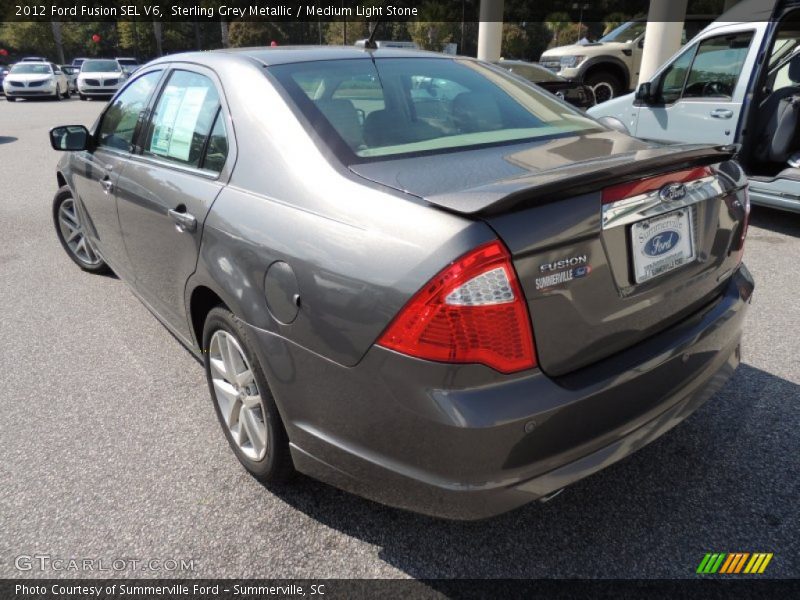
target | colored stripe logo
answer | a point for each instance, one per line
(733, 563)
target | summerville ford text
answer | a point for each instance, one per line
(177, 589)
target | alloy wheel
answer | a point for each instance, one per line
(603, 91)
(237, 395)
(69, 223)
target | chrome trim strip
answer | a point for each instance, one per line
(650, 204)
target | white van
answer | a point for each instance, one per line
(737, 82)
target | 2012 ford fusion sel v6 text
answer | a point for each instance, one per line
(413, 276)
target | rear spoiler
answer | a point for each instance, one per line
(577, 178)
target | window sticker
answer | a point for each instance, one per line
(179, 112)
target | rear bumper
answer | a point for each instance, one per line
(465, 442)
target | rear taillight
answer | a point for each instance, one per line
(641, 186)
(471, 312)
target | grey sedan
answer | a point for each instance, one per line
(454, 302)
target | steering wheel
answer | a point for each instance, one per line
(715, 88)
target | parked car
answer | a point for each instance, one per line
(35, 80)
(100, 77)
(128, 64)
(610, 66)
(3, 72)
(71, 74)
(717, 91)
(575, 93)
(465, 308)
(77, 62)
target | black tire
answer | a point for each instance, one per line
(63, 195)
(57, 96)
(277, 465)
(605, 85)
(11, 99)
(82, 96)
(66, 94)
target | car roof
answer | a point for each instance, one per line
(279, 55)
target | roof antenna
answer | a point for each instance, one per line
(370, 44)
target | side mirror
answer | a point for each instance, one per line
(644, 93)
(70, 138)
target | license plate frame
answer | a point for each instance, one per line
(662, 244)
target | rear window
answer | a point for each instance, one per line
(368, 109)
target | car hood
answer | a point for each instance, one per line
(584, 49)
(490, 180)
(27, 77)
(101, 75)
(616, 107)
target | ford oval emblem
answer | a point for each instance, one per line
(672, 192)
(662, 242)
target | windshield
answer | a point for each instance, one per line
(31, 68)
(99, 66)
(129, 62)
(397, 106)
(627, 32)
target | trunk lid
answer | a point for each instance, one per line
(573, 253)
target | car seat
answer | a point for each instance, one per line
(476, 111)
(387, 127)
(778, 120)
(344, 117)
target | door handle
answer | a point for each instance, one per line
(721, 113)
(183, 220)
(107, 184)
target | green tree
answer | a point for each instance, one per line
(28, 37)
(355, 30)
(524, 41)
(614, 20)
(252, 33)
(559, 25)
(435, 26)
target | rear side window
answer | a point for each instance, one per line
(400, 106)
(217, 148)
(183, 118)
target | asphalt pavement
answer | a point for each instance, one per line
(109, 447)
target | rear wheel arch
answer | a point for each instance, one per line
(201, 302)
